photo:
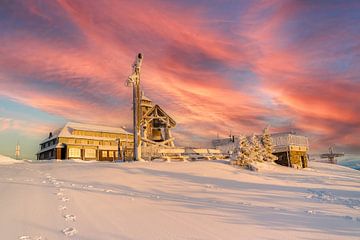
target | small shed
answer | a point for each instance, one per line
(291, 149)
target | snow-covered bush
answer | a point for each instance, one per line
(259, 149)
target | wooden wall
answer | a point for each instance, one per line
(294, 158)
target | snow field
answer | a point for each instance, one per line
(194, 200)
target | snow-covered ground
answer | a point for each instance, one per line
(178, 200)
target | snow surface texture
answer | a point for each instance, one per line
(191, 200)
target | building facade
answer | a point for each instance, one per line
(86, 142)
(291, 149)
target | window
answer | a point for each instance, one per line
(78, 141)
(74, 153)
(111, 154)
(104, 154)
(90, 153)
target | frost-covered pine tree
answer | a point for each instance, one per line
(241, 154)
(257, 151)
(268, 146)
(245, 151)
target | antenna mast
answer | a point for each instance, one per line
(17, 151)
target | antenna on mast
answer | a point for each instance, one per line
(17, 151)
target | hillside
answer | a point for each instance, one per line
(191, 200)
(7, 160)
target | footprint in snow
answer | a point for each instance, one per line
(25, 238)
(109, 191)
(348, 217)
(65, 199)
(312, 212)
(59, 194)
(69, 231)
(70, 217)
(61, 208)
(30, 238)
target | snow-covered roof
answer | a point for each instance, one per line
(158, 108)
(143, 97)
(286, 139)
(67, 130)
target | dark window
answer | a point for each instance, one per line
(156, 123)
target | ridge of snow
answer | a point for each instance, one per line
(8, 160)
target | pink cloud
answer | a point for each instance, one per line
(192, 68)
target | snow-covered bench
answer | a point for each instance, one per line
(169, 154)
(203, 153)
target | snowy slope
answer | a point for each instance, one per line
(8, 160)
(194, 200)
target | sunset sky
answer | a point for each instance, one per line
(214, 66)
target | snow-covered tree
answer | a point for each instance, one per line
(241, 154)
(257, 151)
(245, 151)
(268, 146)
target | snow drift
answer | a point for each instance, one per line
(8, 160)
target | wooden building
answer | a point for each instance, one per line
(155, 124)
(86, 142)
(291, 149)
(93, 142)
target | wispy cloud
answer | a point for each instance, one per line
(214, 68)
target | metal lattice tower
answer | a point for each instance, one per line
(17, 151)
